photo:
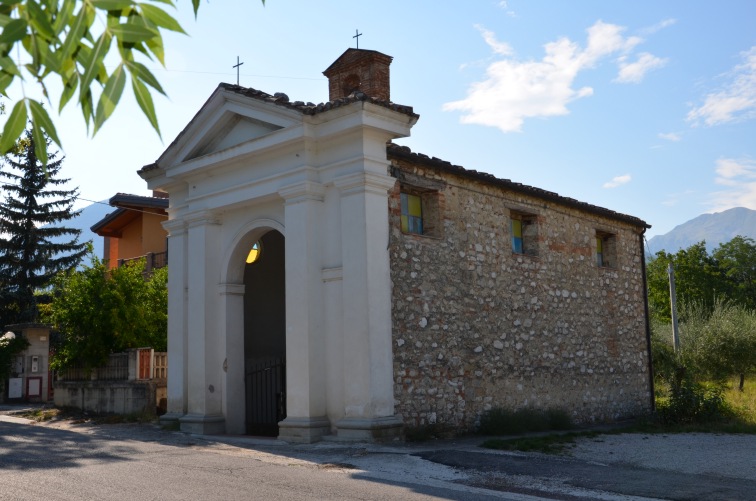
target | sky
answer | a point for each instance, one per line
(647, 108)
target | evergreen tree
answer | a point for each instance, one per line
(34, 245)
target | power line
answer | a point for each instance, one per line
(100, 202)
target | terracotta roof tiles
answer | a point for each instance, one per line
(405, 153)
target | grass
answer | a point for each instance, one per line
(42, 414)
(548, 444)
(743, 403)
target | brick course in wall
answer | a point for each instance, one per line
(476, 326)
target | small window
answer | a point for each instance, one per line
(606, 249)
(412, 214)
(524, 233)
(254, 253)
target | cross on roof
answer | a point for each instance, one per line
(237, 69)
(357, 37)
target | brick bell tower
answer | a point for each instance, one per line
(361, 70)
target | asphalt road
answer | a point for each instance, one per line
(129, 463)
(558, 473)
(141, 462)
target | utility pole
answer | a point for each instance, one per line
(673, 299)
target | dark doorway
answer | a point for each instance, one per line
(265, 337)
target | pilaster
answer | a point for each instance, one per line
(205, 344)
(368, 377)
(177, 311)
(232, 311)
(305, 344)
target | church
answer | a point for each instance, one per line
(325, 282)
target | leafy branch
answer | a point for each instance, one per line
(62, 38)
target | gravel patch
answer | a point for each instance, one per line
(723, 455)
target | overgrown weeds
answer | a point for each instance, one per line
(428, 432)
(547, 444)
(499, 421)
(41, 414)
(77, 416)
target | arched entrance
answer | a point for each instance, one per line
(265, 335)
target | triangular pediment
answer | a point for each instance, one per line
(228, 120)
(231, 130)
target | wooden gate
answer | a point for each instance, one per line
(265, 384)
(145, 363)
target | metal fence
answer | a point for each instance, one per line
(153, 260)
(117, 369)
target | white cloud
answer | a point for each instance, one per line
(658, 26)
(738, 176)
(735, 101)
(504, 5)
(618, 181)
(500, 48)
(670, 136)
(634, 72)
(515, 90)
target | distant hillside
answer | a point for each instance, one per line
(88, 216)
(714, 228)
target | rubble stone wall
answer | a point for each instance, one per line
(476, 326)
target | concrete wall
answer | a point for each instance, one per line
(107, 397)
(477, 326)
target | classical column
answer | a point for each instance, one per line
(368, 367)
(205, 343)
(232, 324)
(177, 311)
(306, 419)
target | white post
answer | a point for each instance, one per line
(673, 299)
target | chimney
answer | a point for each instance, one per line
(361, 70)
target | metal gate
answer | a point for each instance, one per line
(265, 382)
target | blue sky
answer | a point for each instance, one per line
(647, 108)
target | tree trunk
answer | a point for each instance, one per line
(742, 382)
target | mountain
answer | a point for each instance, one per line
(87, 217)
(715, 229)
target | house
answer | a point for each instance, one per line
(134, 230)
(327, 282)
(30, 378)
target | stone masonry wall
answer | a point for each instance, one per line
(476, 326)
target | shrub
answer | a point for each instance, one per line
(693, 403)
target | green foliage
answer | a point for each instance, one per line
(693, 402)
(70, 39)
(698, 279)
(729, 273)
(713, 347)
(737, 261)
(9, 349)
(34, 243)
(500, 421)
(100, 311)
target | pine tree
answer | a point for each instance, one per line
(34, 246)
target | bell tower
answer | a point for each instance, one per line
(366, 71)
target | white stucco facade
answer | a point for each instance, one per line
(248, 164)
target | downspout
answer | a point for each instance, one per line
(648, 323)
